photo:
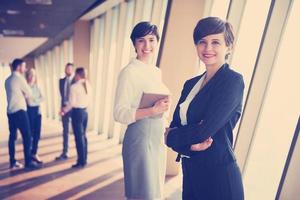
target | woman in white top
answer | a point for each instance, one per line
(80, 95)
(34, 114)
(143, 147)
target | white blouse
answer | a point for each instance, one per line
(36, 97)
(185, 105)
(134, 80)
(78, 96)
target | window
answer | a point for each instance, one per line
(278, 117)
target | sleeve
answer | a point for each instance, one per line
(72, 98)
(166, 117)
(90, 92)
(224, 103)
(125, 92)
(25, 88)
(61, 87)
(184, 150)
(173, 122)
(40, 97)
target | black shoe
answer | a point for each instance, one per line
(62, 157)
(78, 165)
(37, 159)
(32, 166)
(16, 165)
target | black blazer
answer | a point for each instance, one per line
(62, 88)
(218, 107)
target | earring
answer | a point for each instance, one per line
(227, 55)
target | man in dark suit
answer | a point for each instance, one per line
(64, 89)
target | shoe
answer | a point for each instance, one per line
(62, 157)
(78, 165)
(37, 159)
(16, 165)
(32, 166)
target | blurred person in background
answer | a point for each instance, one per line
(34, 113)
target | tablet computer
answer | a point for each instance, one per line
(149, 99)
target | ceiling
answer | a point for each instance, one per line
(17, 47)
(36, 20)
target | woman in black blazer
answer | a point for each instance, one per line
(207, 112)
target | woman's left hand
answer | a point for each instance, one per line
(202, 146)
(167, 132)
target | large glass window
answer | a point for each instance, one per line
(109, 76)
(41, 83)
(4, 73)
(147, 11)
(278, 118)
(97, 47)
(249, 38)
(50, 67)
(220, 8)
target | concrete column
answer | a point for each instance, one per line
(178, 59)
(81, 44)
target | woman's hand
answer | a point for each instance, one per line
(61, 112)
(202, 146)
(167, 132)
(161, 106)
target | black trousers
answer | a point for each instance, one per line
(35, 120)
(65, 122)
(79, 124)
(217, 182)
(19, 120)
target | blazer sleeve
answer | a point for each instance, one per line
(174, 122)
(61, 87)
(184, 150)
(224, 103)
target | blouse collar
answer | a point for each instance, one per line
(138, 62)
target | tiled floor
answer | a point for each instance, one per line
(101, 179)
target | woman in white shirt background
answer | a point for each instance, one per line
(34, 114)
(80, 95)
(144, 152)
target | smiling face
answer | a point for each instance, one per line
(212, 50)
(145, 47)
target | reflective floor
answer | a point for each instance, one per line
(102, 178)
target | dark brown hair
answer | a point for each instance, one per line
(142, 29)
(16, 62)
(81, 72)
(213, 25)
